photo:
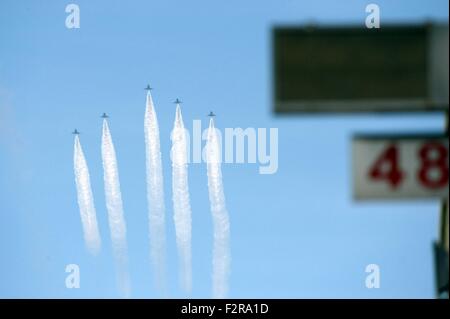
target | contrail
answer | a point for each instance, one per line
(221, 223)
(181, 201)
(115, 211)
(86, 200)
(155, 195)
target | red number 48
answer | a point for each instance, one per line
(432, 173)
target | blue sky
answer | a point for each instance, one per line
(295, 234)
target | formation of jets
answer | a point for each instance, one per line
(148, 88)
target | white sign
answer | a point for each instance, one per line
(400, 167)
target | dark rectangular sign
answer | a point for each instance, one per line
(355, 69)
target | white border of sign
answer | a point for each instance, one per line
(368, 149)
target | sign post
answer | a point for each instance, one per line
(442, 246)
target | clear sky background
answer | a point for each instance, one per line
(295, 234)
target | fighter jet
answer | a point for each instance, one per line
(148, 88)
(177, 101)
(104, 116)
(211, 114)
(75, 132)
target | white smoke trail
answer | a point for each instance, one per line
(86, 200)
(221, 223)
(155, 195)
(115, 211)
(181, 201)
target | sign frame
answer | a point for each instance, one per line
(359, 174)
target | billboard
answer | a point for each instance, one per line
(355, 69)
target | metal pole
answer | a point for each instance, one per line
(442, 246)
(444, 206)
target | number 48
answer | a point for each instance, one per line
(433, 161)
